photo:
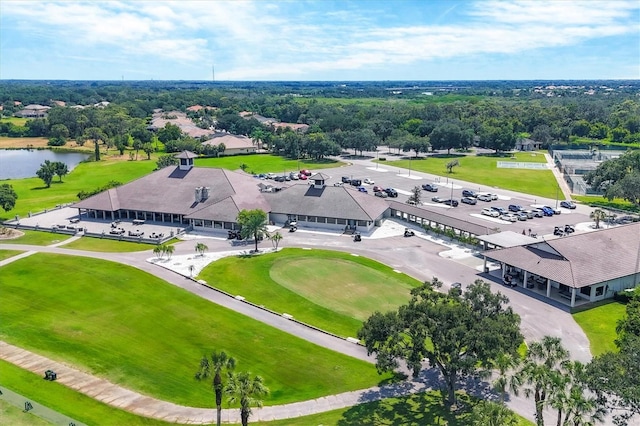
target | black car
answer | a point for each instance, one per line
(469, 200)
(356, 182)
(567, 204)
(346, 179)
(430, 187)
(515, 208)
(468, 193)
(391, 192)
(451, 202)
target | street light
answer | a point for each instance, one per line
(409, 165)
(557, 189)
(377, 152)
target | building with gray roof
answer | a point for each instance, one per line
(584, 267)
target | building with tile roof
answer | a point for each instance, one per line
(584, 267)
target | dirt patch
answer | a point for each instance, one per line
(10, 234)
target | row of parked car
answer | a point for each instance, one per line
(301, 175)
(516, 212)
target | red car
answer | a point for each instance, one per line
(305, 172)
(378, 188)
(302, 176)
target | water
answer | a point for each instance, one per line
(24, 163)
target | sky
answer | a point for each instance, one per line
(298, 40)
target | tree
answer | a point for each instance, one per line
(8, 197)
(246, 391)
(541, 373)
(598, 215)
(201, 248)
(416, 194)
(60, 169)
(449, 135)
(459, 335)
(170, 132)
(158, 251)
(618, 177)
(96, 135)
(253, 223)
(451, 164)
(505, 363)
(275, 238)
(169, 249)
(166, 161)
(487, 413)
(46, 172)
(218, 363)
(148, 149)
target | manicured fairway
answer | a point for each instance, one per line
(483, 170)
(264, 163)
(330, 290)
(107, 245)
(130, 327)
(599, 324)
(36, 238)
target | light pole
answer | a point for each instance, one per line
(557, 189)
(377, 152)
(409, 165)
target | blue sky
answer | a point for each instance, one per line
(320, 40)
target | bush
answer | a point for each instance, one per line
(626, 296)
(57, 141)
(382, 158)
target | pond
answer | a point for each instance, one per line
(24, 163)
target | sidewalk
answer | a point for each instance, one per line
(564, 187)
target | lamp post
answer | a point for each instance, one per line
(557, 189)
(377, 152)
(409, 165)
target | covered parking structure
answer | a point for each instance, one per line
(426, 217)
(576, 269)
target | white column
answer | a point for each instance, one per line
(573, 297)
(548, 287)
(524, 280)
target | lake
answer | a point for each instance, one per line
(24, 163)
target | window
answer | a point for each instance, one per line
(599, 290)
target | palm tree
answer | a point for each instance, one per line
(246, 390)
(201, 248)
(158, 251)
(275, 239)
(580, 408)
(541, 373)
(169, 249)
(218, 363)
(253, 223)
(505, 362)
(597, 215)
(488, 413)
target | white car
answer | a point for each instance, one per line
(368, 181)
(338, 184)
(490, 212)
(509, 217)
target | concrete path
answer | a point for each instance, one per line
(564, 187)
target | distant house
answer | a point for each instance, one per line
(159, 119)
(33, 111)
(101, 104)
(526, 144)
(234, 144)
(195, 108)
(264, 120)
(59, 103)
(301, 128)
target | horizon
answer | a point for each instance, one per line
(275, 41)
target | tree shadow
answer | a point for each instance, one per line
(448, 155)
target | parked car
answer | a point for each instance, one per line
(356, 182)
(568, 204)
(302, 177)
(521, 216)
(468, 193)
(437, 199)
(305, 172)
(490, 212)
(509, 217)
(391, 192)
(554, 210)
(500, 210)
(412, 202)
(537, 212)
(547, 211)
(515, 208)
(378, 189)
(492, 196)
(346, 179)
(362, 189)
(338, 184)
(294, 176)
(368, 181)
(430, 187)
(408, 232)
(380, 194)
(529, 213)
(279, 179)
(469, 200)
(484, 197)
(451, 202)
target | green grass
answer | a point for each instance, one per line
(600, 201)
(37, 238)
(17, 121)
(107, 245)
(14, 416)
(265, 163)
(599, 324)
(483, 170)
(63, 400)
(34, 197)
(5, 254)
(132, 328)
(420, 409)
(330, 290)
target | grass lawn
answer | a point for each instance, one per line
(107, 245)
(599, 324)
(34, 197)
(483, 170)
(61, 399)
(264, 163)
(36, 238)
(132, 328)
(14, 416)
(415, 410)
(330, 290)
(16, 121)
(5, 254)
